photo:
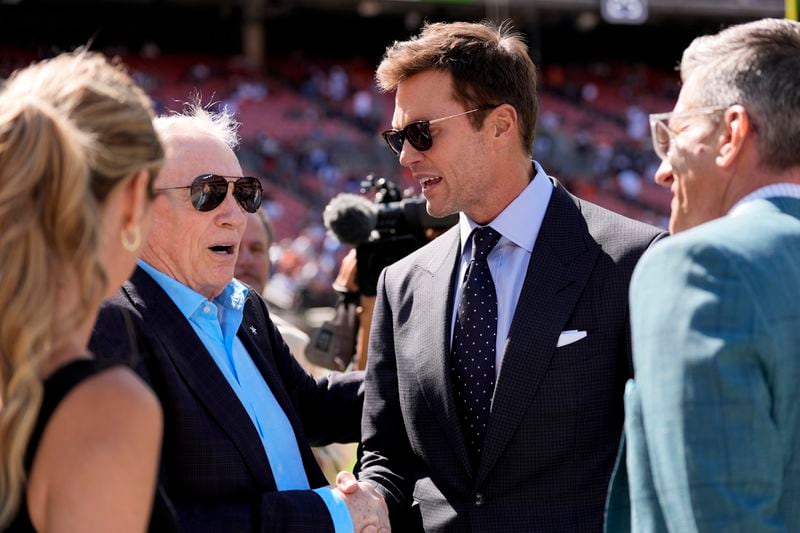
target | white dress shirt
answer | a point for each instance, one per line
(519, 225)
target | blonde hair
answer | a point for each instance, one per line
(71, 129)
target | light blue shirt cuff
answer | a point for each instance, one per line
(340, 514)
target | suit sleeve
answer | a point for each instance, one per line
(714, 450)
(387, 452)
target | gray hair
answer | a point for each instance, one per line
(756, 65)
(196, 118)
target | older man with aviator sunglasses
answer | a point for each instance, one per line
(240, 413)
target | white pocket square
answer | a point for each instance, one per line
(569, 336)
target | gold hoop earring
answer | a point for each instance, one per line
(131, 238)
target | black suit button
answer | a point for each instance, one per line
(478, 499)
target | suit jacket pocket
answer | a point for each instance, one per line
(594, 345)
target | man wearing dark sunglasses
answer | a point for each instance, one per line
(240, 411)
(494, 377)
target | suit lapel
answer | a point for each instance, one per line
(265, 363)
(257, 343)
(200, 373)
(560, 265)
(435, 295)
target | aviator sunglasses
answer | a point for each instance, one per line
(209, 191)
(418, 133)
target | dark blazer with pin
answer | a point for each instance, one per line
(556, 414)
(213, 466)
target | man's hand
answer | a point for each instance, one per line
(366, 505)
(346, 278)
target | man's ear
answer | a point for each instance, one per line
(737, 131)
(504, 120)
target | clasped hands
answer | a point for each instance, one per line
(366, 505)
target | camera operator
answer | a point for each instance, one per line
(383, 231)
(357, 330)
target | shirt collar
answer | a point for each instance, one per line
(188, 300)
(521, 220)
(790, 190)
(233, 296)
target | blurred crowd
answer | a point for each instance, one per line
(310, 131)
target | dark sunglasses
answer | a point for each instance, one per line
(209, 191)
(418, 133)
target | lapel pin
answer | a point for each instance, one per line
(253, 330)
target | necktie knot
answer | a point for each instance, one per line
(484, 239)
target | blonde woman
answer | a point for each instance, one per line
(79, 441)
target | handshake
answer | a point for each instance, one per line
(366, 505)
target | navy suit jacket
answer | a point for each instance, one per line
(557, 412)
(213, 467)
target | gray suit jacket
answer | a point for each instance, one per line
(713, 419)
(557, 412)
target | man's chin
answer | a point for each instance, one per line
(438, 211)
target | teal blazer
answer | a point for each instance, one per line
(712, 422)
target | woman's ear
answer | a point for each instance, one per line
(125, 225)
(138, 197)
(133, 203)
(737, 130)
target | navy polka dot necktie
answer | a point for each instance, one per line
(474, 339)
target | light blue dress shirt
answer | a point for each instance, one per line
(216, 323)
(519, 225)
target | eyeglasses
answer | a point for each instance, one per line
(418, 133)
(209, 191)
(662, 134)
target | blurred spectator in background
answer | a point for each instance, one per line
(79, 439)
(338, 86)
(253, 268)
(253, 262)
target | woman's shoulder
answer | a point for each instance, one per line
(108, 406)
(102, 437)
(112, 396)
